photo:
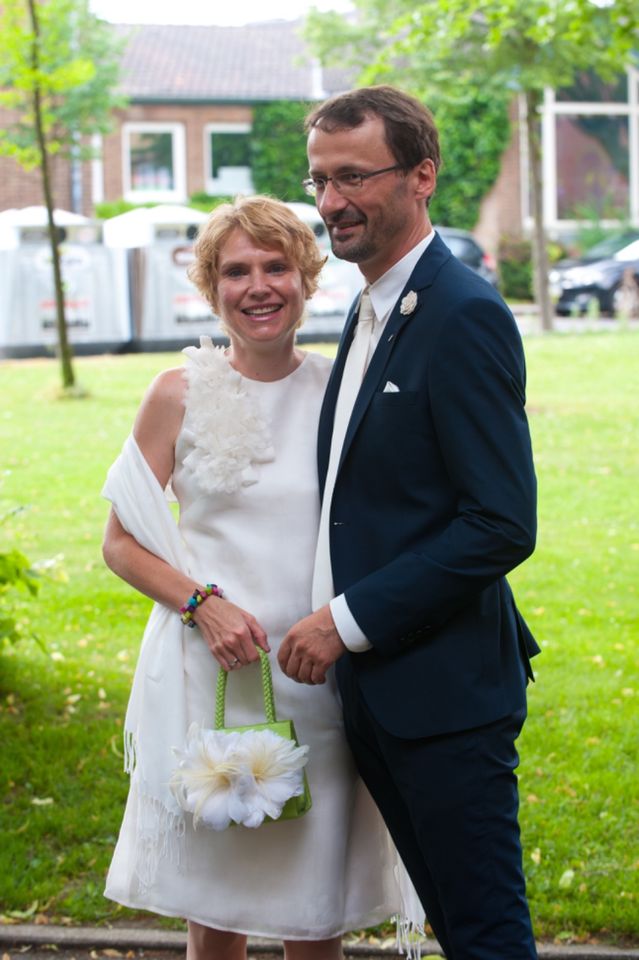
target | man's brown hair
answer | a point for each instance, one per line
(409, 127)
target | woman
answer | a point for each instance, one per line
(235, 436)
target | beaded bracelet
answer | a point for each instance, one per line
(198, 596)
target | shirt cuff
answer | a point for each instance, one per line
(347, 627)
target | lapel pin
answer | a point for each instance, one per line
(408, 304)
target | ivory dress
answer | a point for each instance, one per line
(245, 480)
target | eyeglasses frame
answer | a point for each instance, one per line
(311, 188)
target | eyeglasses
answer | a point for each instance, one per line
(343, 182)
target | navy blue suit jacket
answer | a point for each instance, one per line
(434, 502)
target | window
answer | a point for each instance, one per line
(228, 158)
(590, 88)
(590, 149)
(593, 165)
(154, 167)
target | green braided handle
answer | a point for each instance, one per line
(267, 690)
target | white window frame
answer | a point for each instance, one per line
(216, 185)
(178, 193)
(551, 109)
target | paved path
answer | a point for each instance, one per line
(151, 943)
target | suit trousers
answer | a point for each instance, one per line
(451, 804)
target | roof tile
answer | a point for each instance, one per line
(259, 61)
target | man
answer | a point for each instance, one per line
(428, 501)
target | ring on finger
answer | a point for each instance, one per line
(234, 662)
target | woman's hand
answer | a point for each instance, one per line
(230, 632)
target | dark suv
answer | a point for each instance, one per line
(597, 275)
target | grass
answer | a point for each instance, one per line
(61, 711)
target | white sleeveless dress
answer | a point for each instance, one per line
(245, 479)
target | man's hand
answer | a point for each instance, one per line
(310, 647)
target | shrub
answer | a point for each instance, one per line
(473, 136)
(113, 208)
(278, 149)
(15, 570)
(515, 268)
(206, 201)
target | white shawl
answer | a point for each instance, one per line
(156, 715)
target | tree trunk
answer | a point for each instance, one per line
(64, 349)
(539, 248)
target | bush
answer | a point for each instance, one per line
(473, 136)
(515, 268)
(15, 570)
(206, 201)
(113, 208)
(278, 149)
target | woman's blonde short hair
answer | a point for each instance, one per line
(271, 225)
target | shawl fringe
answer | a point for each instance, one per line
(159, 836)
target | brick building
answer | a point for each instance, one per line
(186, 128)
(192, 93)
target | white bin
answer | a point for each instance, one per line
(94, 278)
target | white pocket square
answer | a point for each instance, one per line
(391, 387)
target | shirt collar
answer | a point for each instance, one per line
(386, 290)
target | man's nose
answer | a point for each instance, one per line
(330, 201)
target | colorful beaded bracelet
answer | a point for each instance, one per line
(198, 596)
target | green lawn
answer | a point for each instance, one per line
(61, 711)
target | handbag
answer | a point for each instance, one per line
(246, 774)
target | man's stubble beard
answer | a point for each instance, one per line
(355, 252)
(376, 234)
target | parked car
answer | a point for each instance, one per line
(465, 247)
(596, 276)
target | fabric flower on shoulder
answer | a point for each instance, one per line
(224, 425)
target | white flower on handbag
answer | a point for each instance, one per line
(243, 777)
(408, 304)
(274, 773)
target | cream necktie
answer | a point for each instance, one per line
(352, 376)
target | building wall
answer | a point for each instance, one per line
(23, 188)
(500, 212)
(193, 117)
(19, 188)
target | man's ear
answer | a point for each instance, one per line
(425, 179)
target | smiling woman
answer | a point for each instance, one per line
(257, 264)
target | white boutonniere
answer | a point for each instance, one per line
(408, 304)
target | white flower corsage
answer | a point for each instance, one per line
(224, 424)
(408, 304)
(226, 776)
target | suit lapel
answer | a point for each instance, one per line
(420, 280)
(374, 373)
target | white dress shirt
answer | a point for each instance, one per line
(384, 295)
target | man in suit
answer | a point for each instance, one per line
(428, 501)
